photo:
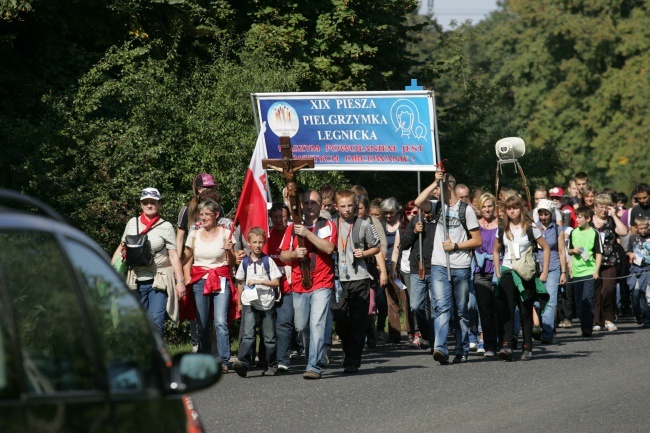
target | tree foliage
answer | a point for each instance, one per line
(99, 98)
(578, 75)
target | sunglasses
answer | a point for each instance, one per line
(153, 194)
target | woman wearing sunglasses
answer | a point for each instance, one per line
(161, 283)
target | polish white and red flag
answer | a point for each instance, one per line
(251, 209)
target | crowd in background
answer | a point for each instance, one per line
(495, 271)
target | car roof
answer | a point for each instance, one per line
(11, 219)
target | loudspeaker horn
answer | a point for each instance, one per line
(510, 148)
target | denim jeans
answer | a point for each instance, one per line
(219, 302)
(584, 289)
(548, 316)
(641, 303)
(284, 328)
(155, 302)
(446, 295)
(250, 315)
(421, 305)
(310, 314)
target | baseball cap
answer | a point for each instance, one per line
(546, 204)
(556, 192)
(150, 193)
(203, 180)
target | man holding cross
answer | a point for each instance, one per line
(311, 303)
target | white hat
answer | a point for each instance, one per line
(546, 204)
(150, 193)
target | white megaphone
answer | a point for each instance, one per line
(510, 148)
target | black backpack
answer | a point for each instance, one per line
(138, 247)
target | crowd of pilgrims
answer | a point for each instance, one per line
(498, 273)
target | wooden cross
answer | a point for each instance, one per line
(289, 166)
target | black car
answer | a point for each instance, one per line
(77, 351)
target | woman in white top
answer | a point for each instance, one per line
(516, 234)
(210, 249)
(155, 283)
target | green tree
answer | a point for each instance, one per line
(578, 75)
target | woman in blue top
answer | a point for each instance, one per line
(484, 271)
(554, 237)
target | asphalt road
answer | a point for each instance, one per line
(601, 384)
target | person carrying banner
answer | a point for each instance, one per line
(450, 249)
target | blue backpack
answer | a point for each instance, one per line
(267, 267)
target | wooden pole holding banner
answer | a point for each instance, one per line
(443, 210)
(421, 266)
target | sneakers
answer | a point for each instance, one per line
(271, 371)
(350, 369)
(382, 337)
(473, 345)
(565, 323)
(294, 354)
(537, 332)
(327, 356)
(611, 327)
(527, 355)
(488, 354)
(480, 348)
(505, 353)
(310, 375)
(459, 359)
(424, 344)
(415, 342)
(282, 368)
(596, 328)
(240, 368)
(439, 356)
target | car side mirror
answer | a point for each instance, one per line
(194, 371)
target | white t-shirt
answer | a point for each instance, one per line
(261, 297)
(520, 240)
(459, 259)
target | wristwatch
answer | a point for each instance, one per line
(455, 246)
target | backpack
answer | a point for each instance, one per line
(246, 261)
(138, 247)
(462, 209)
(356, 241)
